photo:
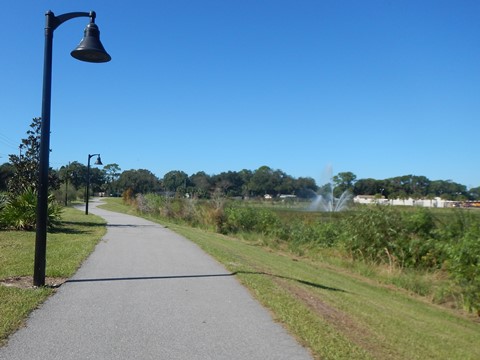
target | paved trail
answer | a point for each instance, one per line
(148, 293)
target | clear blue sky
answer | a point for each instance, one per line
(381, 88)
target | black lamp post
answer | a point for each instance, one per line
(66, 183)
(87, 191)
(90, 49)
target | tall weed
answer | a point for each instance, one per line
(464, 266)
(375, 233)
(249, 219)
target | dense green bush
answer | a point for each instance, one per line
(69, 192)
(424, 247)
(395, 236)
(464, 265)
(326, 234)
(249, 219)
(20, 212)
(374, 233)
(417, 239)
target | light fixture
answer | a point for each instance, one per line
(90, 48)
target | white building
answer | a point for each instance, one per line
(433, 203)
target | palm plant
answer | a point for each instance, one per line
(19, 212)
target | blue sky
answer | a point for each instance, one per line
(376, 87)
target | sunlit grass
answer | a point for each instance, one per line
(67, 247)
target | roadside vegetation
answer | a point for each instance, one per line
(342, 296)
(73, 239)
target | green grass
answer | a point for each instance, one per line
(67, 247)
(337, 313)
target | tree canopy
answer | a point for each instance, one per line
(140, 181)
(416, 187)
(25, 165)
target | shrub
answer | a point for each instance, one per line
(3, 200)
(374, 233)
(212, 216)
(142, 204)
(407, 238)
(239, 219)
(71, 193)
(20, 212)
(267, 222)
(128, 196)
(326, 234)
(155, 203)
(190, 211)
(301, 232)
(173, 208)
(464, 266)
(422, 248)
(248, 219)
(420, 222)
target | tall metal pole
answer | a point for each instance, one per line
(66, 184)
(42, 202)
(87, 192)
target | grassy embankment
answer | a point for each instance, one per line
(336, 313)
(67, 247)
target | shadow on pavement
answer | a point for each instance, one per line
(147, 278)
(136, 278)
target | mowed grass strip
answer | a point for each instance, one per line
(338, 314)
(67, 248)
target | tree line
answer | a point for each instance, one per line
(16, 176)
(21, 173)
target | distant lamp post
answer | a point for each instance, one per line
(90, 49)
(67, 174)
(87, 191)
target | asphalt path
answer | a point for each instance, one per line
(148, 293)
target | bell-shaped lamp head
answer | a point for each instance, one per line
(99, 161)
(90, 48)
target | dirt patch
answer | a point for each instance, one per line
(343, 323)
(26, 282)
